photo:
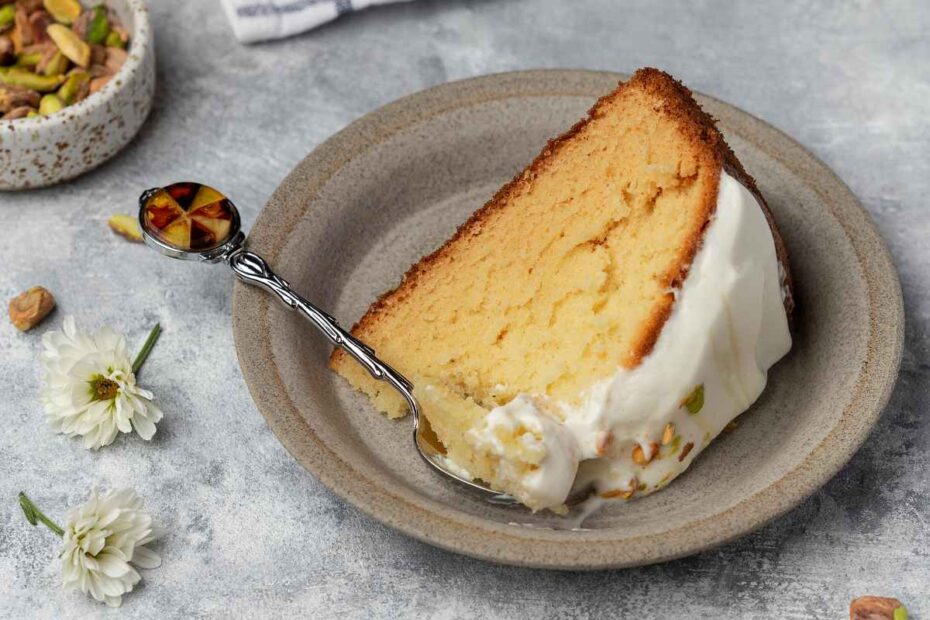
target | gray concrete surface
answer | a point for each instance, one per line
(252, 533)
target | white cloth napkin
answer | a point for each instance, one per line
(260, 20)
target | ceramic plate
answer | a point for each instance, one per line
(391, 187)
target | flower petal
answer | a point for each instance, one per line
(146, 558)
(111, 565)
(144, 427)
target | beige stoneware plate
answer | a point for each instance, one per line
(353, 215)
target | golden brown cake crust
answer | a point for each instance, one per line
(696, 126)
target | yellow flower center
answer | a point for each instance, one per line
(105, 389)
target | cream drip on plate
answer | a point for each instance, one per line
(635, 431)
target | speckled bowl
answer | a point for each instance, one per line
(40, 151)
(390, 187)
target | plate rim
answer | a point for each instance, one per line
(424, 520)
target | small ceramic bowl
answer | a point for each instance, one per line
(41, 151)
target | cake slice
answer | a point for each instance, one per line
(603, 317)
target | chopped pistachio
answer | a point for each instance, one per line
(614, 493)
(99, 28)
(126, 226)
(70, 44)
(63, 11)
(668, 434)
(900, 613)
(15, 76)
(641, 457)
(674, 445)
(695, 400)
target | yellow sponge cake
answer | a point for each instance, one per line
(565, 333)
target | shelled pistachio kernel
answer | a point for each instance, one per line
(70, 44)
(57, 65)
(668, 434)
(877, 608)
(114, 40)
(99, 27)
(694, 402)
(63, 11)
(639, 455)
(126, 226)
(29, 307)
(50, 104)
(29, 59)
(14, 76)
(615, 493)
(7, 15)
(72, 85)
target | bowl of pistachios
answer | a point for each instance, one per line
(76, 83)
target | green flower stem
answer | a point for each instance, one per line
(146, 348)
(34, 515)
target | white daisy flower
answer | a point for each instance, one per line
(91, 386)
(104, 543)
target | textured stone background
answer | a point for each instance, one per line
(252, 533)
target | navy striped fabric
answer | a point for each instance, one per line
(261, 20)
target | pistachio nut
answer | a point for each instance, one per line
(126, 226)
(12, 97)
(70, 44)
(29, 307)
(63, 11)
(56, 65)
(99, 28)
(7, 15)
(695, 400)
(98, 83)
(21, 112)
(30, 59)
(15, 76)
(68, 92)
(50, 104)
(114, 40)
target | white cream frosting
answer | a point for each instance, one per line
(534, 449)
(728, 326)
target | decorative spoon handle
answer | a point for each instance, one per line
(195, 222)
(253, 269)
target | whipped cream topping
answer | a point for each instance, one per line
(635, 431)
(535, 450)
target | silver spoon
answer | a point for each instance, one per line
(195, 222)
